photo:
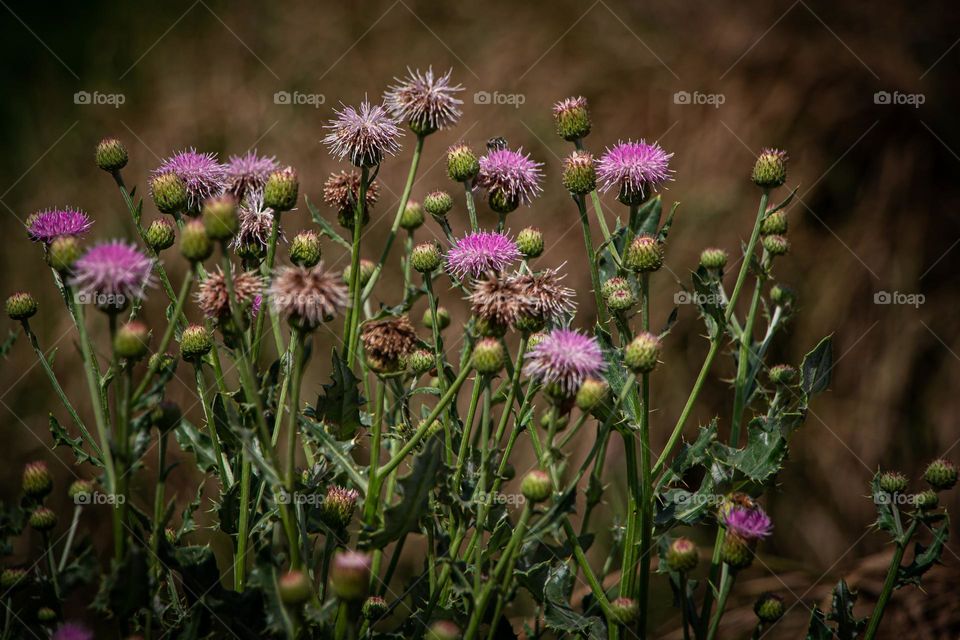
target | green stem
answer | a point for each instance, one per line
(353, 313)
(211, 423)
(471, 205)
(478, 385)
(71, 534)
(726, 583)
(372, 499)
(267, 271)
(158, 500)
(598, 211)
(51, 565)
(243, 526)
(889, 583)
(646, 506)
(167, 334)
(592, 258)
(743, 364)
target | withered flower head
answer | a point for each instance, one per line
(500, 300)
(546, 298)
(308, 297)
(386, 341)
(212, 296)
(342, 189)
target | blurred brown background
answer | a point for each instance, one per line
(877, 206)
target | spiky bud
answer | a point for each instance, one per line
(462, 163)
(769, 608)
(770, 170)
(614, 284)
(425, 257)
(682, 555)
(530, 242)
(592, 393)
(195, 343)
(442, 318)
(111, 155)
(374, 608)
(776, 245)
(713, 258)
(736, 551)
(438, 203)
(536, 486)
(37, 481)
(169, 193)
(280, 192)
(166, 416)
(572, 117)
(774, 224)
(782, 374)
(625, 610)
(642, 353)
(366, 272)
(46, 615)
(412, 216)
(781, 294)
(12, 578)
(131, 341)
(337, 507)
(421, 361)
(195, 244)
(643, 255)
(941, 474)
(502, 203)
(443, 630)
(62, 253)
(21, 306)
(43, 519)
(350, 575)
(220, 217)
(926, 500)
(294, 588)
(488, 356)
(579, 175)
(893, 482)
(305, 249)
(619, 300)
(80, 491)
(160, 235)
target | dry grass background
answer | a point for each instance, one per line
(878, 207)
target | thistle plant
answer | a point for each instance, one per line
(443, 484)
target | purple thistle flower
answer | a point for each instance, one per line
(72, 631)
(114, 270)
(204, 176)
(748, 523)
(47, 226)
(363, 135)
(634, 169)
(249, 172)
(477, 253)
(565, 357)
(424, 101)
(511, 174)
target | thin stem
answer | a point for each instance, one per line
(726, 583)
(592, 258)
(71, 533)
(646, 507)
(353, 313)
(374, 476)
(743, 364)
(243, 526)
(154, 364)
(889, 583)
(598, 211)
(471, 205)
(158, 499)
(296, 378)
(478, 385)
(267, 271)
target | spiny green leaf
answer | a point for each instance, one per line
(336, 451)
(559, 616)
(415, 487)
(8, 342)
(818, 628)
(816, 367)
(62, 438)
(924, 556)
(339, 406)
(849, 625)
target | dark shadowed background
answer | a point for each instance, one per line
(862, 96)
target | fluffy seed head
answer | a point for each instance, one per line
(547, 300)
(424, 101)
(113, 272)
(46, 226)
(748, 523)
(364, 136)
(510, 177)
(308, 297)
(499, 300)
(256, 224)
(480, 252)
(202, 175)
(213, 298)
(565, 358)
(634, 169)
(572, 118)
(248, 172)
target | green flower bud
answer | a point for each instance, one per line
(614, 284)
(941, 474)
(166, 416)
(592, 394)
(305, 249)
(502, 203)
(462, 163)
(443, 318)
(131, 341)
(12, 578)
(535, 339)
(579, 175)
(643, 255)
(774, 224)
(280, 192)
(536, 486)
(111, 155)
(337, 507)
(46, 615)
(160, 235)
(620, 300)
(346, 217)
(350, 575)
(782, 295)
(926, 500)
(412, 216)
(374, 608)
(43, 519)
(195, 244)
(782, 374)
(80, 491)
(63, 253)
(220, 217)
(294, 588)
(530, 242)
(169, 193)
(642, 353)
(572, 118)
(625, 610)
(713, 258)
(37, 481)
(893, 482)
(770, 169)
(682, 555)
(438, 203)
(776, 245)
(769, 608)
(488, 356)
(366, 272)
(421, 361)
(735, 551)
(425, 257)
(529, 324)
(443, 630)
(195, 343)
(21, 306)
(487, 328)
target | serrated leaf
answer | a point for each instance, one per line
(762, 455)
(924, 556)
(816, 367)
(709, 301)
(665, 227)
(193, 440)
(336, 451)
(818, 629)
(325, 227)
(559, 615)
(339, 406)
(883, 503)
(62, 438)
(848, 625)
(415, 488)
(648, 216)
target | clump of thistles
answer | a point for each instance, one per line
(387, 341)
(47, 226)
(748, 523)
(308, 297)
(213, 295)
(563, 359)
(248, 172)
(634, 169)
(424, 101)
(202, 174)
(113, 273)
(364, 136)
(477, 253)
(511, 178)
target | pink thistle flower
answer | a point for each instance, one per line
(477, 253)
(364, 136)
(47, 226)
(565, 357)
(113, 270)
(512, 175)
(72, 631)
(248, 172)
(634, 168)
(425, 101)
(748, 523)
(203, 175)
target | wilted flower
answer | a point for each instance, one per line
(386, 341)
(510, 176)
(364, 135)
(308, 297)
(256, 222)
(113, 273)
(214, 299)
(634, 168)
(499, 300)
(748, 523)
(549, 300)
(565, 358)
(479, 252)
(202, 174)
(47, 226)
(248, 172)
(424, 101)
(341, 191)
